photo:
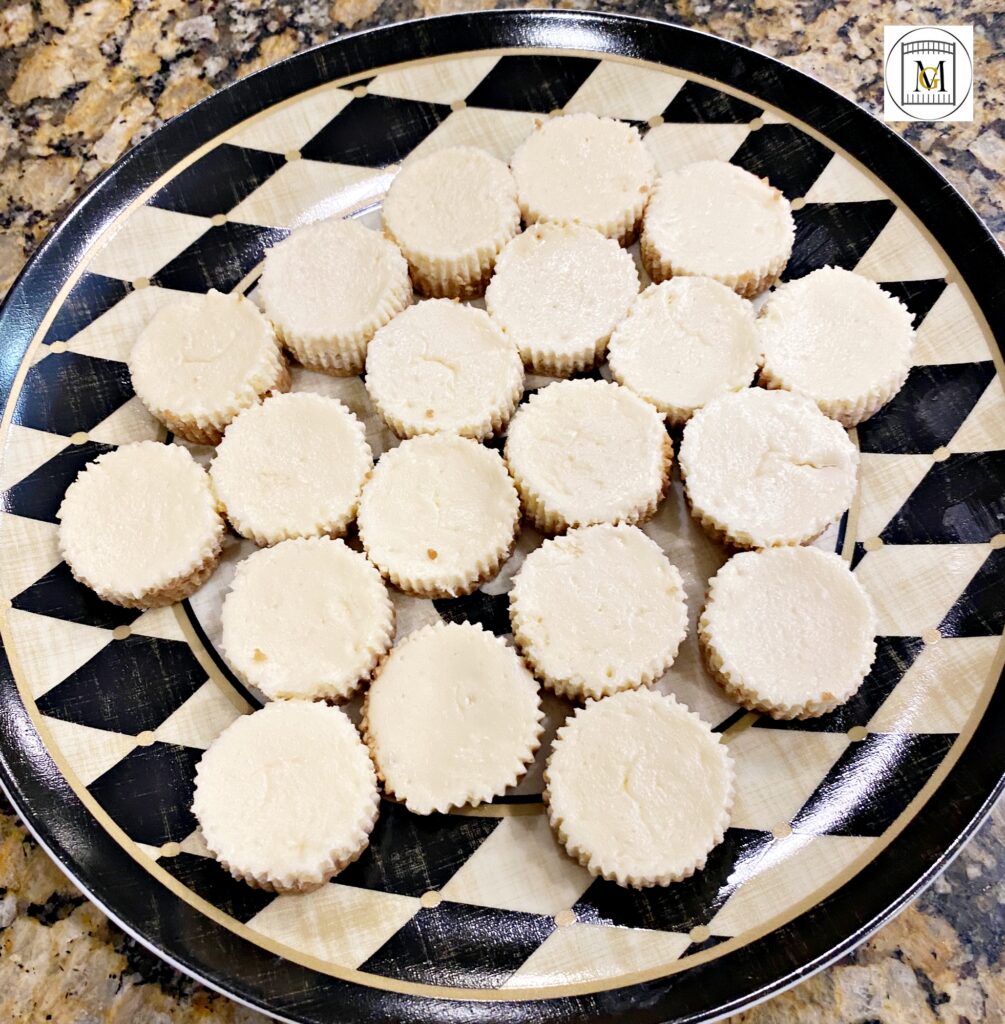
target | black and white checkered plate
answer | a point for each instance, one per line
(479, 916)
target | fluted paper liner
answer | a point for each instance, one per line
(613, 872)
(344, 355)
(728, 675)
(853, 408)
(345, 850)
(509, 773)
(652, 670)
(209, 429)
(160, 592)
(436, 582)
(550, 521)
(493, 421)
(748, 282)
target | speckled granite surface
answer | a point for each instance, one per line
(83, 81)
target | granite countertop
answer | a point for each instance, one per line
(85, 80)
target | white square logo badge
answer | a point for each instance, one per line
(928, 73)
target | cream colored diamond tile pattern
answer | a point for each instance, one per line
(626, 92)
(29, 548)
(130, 422)
(159, 622)
(498, 131)
(939, 690)
(50, 649)
(112, 335)
(338, 924)
(292, 125)
(901, 253)
(950, 333)
(307, 190)
(146, 241)
(885, 482)
(842, 182)
(520, 867)
(89, 752)
(777, 771)
(442, 82)
(787, 874)
(591, 952)
(676, 145)
(25, 450)
(202, 717)
(984, 429)
(913, 586)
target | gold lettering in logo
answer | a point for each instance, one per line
(932, 78)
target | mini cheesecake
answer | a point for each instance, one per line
(839, 339)
(639, 789)
(717, 220)
(766, 469)
(788, 631)
(558, 292)
(588, 451)
(453, 718)
(286, 797)
(578, 597)
(584, 169)
(683, 343)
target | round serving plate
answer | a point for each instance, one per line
(479, 916)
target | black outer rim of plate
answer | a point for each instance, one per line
(789, 954)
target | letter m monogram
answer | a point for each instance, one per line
(932, 77)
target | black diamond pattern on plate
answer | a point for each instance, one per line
(918, 296)
(858, 552)
(149, 793)
(959, 501)
(731, 719)
(412, 853)
(59, 595)
(927, 411)
(373, 131)
(871, 783)
(219, 258)
(787, 157)
(39, 495)
(67, 392)
(217, 182)
(458, 945)
(488, 610)
(894, 656)
(532, 82)
(701, 104)
(835, 234)
(113, 690)
(215, 884)
(700, 947)
(92, 296)
(842, 531)
(980, 610)
(683, 905)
